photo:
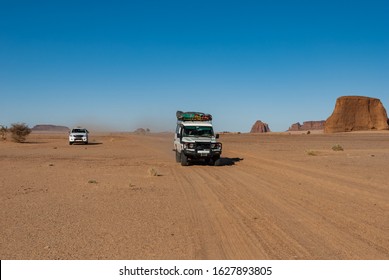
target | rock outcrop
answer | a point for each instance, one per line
(308, 125)
(50, 127)
(260, 127)
(353, 113)
(142, 131)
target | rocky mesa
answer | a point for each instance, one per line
(308, 125)
(50, 127)
(354, 113)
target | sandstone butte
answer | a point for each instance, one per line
(260, 127)
(353, 113)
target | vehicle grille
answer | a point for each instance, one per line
(203, 146)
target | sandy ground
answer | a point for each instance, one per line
(276, 196)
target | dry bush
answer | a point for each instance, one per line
(153, 172)
(19, 132)
(337, 148)
(312, 153)
(3, 132)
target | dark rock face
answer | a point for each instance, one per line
(353, 113)
(260, 127)
(50, 127)
(308, 125)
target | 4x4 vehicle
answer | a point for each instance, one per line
(195, 139)
(78, 135)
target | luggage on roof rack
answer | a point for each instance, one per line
(193, 116)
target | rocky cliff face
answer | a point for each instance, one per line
(354, 113)
(308, 125)
(260, 127)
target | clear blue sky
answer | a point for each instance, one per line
(121, 65)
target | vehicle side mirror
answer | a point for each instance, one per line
(217, 135)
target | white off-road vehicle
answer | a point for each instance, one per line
(195, 139)
(78, 135)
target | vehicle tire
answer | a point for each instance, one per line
(86, 142)
(216, 161)
(178, 156)
(70, 143)
(184, 160)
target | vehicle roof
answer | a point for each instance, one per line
(196, 123)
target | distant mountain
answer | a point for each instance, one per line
(142, 131)
(50, 127)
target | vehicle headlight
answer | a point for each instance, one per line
(190, 145)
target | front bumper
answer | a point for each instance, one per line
(204, 150)
(202, 154)
(78, 139)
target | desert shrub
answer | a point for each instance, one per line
(312, 153)
(19, 132)
(3, 132)
(337, 148)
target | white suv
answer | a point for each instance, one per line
(78, 135)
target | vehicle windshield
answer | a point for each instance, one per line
(78, 130)
(206, 131)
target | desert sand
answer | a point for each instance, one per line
(123, 196)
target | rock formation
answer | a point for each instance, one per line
(142, 131)
(50, 127)
(308, 125)
(260, 127)
(354, 113)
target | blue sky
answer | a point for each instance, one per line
(121, 65)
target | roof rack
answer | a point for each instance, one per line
(193, 116)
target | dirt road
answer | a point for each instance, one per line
(276, 196)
